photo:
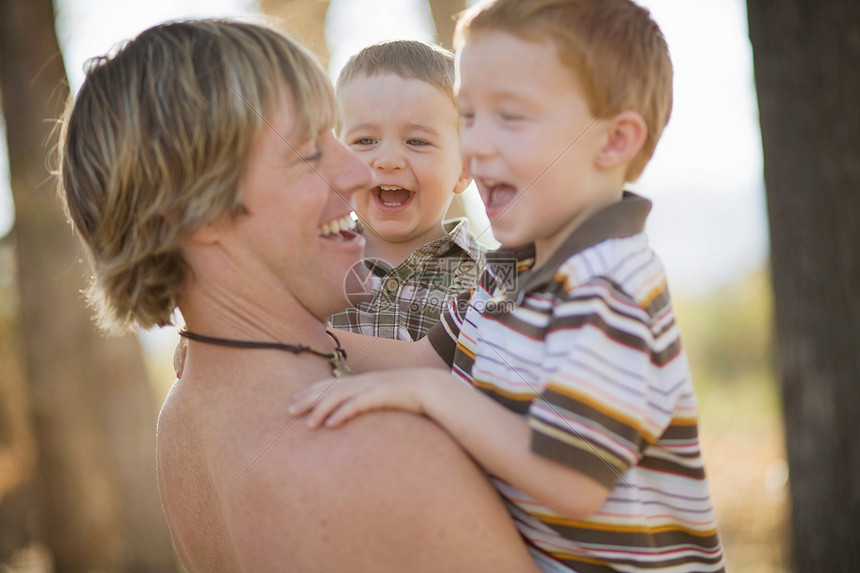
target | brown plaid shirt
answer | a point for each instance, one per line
(404, 302)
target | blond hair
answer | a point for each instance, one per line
(408, 59)
(614, 48)
(154, 146)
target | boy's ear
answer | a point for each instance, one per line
(625, 136)
(463, 181)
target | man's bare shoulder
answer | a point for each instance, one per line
(170, 421)
(176, 437)
(389, 491)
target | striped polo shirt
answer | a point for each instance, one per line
(587, 349)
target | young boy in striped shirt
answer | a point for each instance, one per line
(396, 111)
(585, 417)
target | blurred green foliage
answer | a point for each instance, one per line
(729, 340)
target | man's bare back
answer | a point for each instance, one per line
(390, 492)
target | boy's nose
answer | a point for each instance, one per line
(388, 157)
(474, 143)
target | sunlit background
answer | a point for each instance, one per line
(708, 224)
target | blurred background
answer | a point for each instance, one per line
(77, 411)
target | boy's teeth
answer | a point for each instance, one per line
(345, 223)
(392, 196)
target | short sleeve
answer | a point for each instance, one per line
(607, 398)
(444, 334)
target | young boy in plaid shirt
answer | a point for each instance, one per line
(397, 112)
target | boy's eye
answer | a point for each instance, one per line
(510, 116)
(364, 141)
(467, 118)
(417, 142)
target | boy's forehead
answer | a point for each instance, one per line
(377, 94)
(497, 55)
(385, 76)
(497, 44)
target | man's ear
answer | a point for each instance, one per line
(625, 136)
(205, 235)
(463, 181)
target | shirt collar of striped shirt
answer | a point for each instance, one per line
(623, 219)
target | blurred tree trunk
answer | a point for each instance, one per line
(17, 448)
(93, 410)
(807, 57)
(303, 20)
(443, 17)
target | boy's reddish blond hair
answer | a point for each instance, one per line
(614, 48)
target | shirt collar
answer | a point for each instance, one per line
(457, 233)
(622, 219)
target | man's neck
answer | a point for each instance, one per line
(250, 313)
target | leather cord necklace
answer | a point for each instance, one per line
(336, 358)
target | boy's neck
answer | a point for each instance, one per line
(394, 253)
(545, 249)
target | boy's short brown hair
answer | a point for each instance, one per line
(615, 49)
(408, 59)
(155, 145)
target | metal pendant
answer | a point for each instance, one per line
(339, 366)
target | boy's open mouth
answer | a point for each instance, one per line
(498, 194)
(390, 197)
